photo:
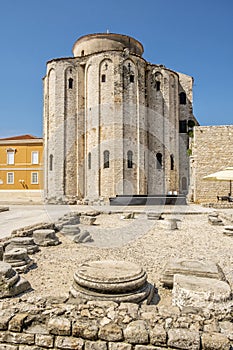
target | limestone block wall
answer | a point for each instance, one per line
(212, 151)
(30, 324)
(111, 122)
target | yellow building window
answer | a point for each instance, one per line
(10, 178)
(10, 157)
(35, 157)
(34, 179)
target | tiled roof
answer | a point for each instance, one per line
(21, 137)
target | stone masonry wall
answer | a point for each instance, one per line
(113, 100)
(212, 151)
(36, 324)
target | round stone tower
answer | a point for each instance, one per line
(114, 123)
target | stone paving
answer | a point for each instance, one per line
(23, 215)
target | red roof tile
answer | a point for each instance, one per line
(21, 137)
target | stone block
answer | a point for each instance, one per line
(200, 293)
(29, 347)
(45, 237)
(228, 230)
(111, 332)
(11, 347)
(17, 338)
(158, 335)
(59, 326)
(136, 333)
(18, 258)
(44, 340)
(69, 343)
(20, 287)
(153, 216)
(83, 237)
(5, 317)
(168, 224)
(98, 345)
(87, 330)
(226, 328)
(119, 346)
(189, 267)
(183, 339)
(215, 341)
(22, 242)
(11, 283)
(87, 220)
(16, 323)
(147, 347)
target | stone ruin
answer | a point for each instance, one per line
(190, 267)
(77, 235)
(198, 289)
(214, 219)
(11, 283)
(228, 231)
(22, 242)
(198, 285)
(45, 237)
(109, 280)
(18, 258)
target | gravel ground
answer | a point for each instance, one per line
(137, 240)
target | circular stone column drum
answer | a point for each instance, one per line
(119, 281)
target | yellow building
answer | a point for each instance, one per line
(21, 170)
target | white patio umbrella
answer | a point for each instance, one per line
(222, 175)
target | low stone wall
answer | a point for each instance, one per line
(29, 323)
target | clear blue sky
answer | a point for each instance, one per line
(190, 36)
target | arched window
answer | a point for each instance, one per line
(182, 98)
(89, 160)
(82, 53)
(159, 160)
(106, 159)
(130, 159)
(172, 161)
(131, 78)
(184, 184)
(51, 162)
(157, 85)
(70, 83)
(103, 78)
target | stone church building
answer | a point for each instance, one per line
(114, 123)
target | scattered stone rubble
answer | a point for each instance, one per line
(27, 231)
(68, 219)
(11, 284)
(18, 259)
(4, 209)
(83, 237)
(168, 224)
(87, 220)
(70, 230)
(119, 281)
(201, 293)
(190, 267)
(77, 235)
(126, 216)
(22, 242)
(214, 219)
(45, 237)
(228, 230)
(200, 317)
(153, 216)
